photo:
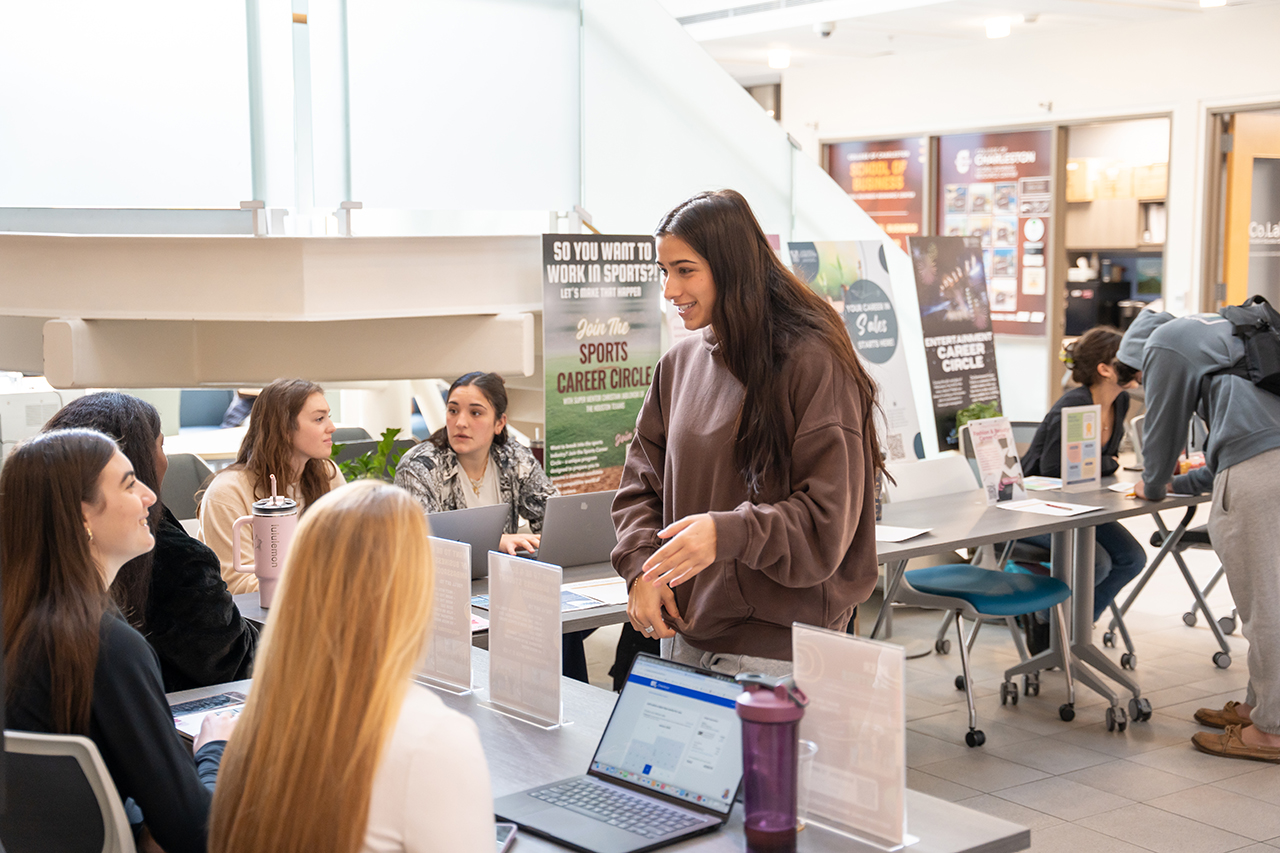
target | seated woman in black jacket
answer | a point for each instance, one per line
(72, 512)
(1118, 557)
(175, 595)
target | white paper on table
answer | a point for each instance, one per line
(1049, 508)
(1037, 483)
(447, 657)
(524, 638)
(857, 717)
(889, 533)
(606, 590)
(1123, 488)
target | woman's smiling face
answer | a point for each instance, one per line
(687, 281)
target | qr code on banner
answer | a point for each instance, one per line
(896, 450)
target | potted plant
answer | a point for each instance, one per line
(378, 463)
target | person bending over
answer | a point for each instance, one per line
(72, 513)
(291, 436)
(174, 595)
(337, 749)
(753, 457)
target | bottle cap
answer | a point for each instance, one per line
(767, 700)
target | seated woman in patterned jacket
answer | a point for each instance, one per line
(472, 461)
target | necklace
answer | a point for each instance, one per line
(477, 482)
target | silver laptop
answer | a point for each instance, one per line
(578, 530)
(667, 767)
(480, 527)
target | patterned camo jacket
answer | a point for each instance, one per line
(435, 478)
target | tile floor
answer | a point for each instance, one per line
(1076, 785)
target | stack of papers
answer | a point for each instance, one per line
(889, 533)
(569, 601)
(1037, 483)
(1057, 508)
(606, 591)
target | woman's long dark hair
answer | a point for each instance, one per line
(53, 598)
(761, 311)
(135, 426)
(493, 389)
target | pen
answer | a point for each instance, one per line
(1059, 506)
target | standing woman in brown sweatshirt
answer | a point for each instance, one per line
(746, 501)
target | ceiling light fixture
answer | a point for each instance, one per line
(998, 28)
(780, 58)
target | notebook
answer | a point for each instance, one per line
(667, 767)
(480, 527)
(578, 530)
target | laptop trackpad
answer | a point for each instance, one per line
(584, 832)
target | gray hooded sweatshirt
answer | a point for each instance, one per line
(1175, 356)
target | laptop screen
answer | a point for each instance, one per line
(675, 730)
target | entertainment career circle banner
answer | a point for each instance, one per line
(998, 187)
(854, 279)
(885, 178)
(601, 338)
(958, 342)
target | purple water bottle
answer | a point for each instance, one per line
(770, 711)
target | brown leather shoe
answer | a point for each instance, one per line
(1221, 719)
(1230, 745)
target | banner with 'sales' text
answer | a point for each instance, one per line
(601, 338)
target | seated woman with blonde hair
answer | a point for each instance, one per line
(336, 749)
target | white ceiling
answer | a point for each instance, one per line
(864, 29)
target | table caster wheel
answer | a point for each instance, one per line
(1139, 710)
(959, 682)
(1031, 685)
(1227, 624)
(975, 737)
(1128, 661)
(1109, 639)
(1067, 712)
(1221, 660)
(942, 647)
(1008, 693)
(1189, 619)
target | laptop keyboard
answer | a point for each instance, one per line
(641, 815)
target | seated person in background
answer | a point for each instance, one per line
(290, 435)
(174, 596)
(1118, 557)
(241, 407)
(473, 461)
(380, 764)
(72, 513)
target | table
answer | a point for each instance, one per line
(965, 519)
(521, 756)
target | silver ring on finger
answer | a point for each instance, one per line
(649, 630)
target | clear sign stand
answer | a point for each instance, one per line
(857, 718)
(1081, 448)
(446, 661)
(524, 640)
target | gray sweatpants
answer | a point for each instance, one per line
(676, 649)
(1244, 526)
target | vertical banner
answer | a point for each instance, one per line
(854, 278)
(1264, 230)
(601, 337)
(956, 319)
(998, 187)
(886, 179)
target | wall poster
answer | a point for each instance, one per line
(854, 278)
(998, 187)
(601, 338)
(1264, 230)
(956, 319)
(886, 179)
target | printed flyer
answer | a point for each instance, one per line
(854, 279)
(998, 188)
(959, 346)
(1081, 445)
(997, 457)
(601, 338)
(886, 179)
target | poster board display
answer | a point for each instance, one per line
(998, 187)
(1081, 448)
(601, 338)
(997, 456)
(886, 179)
(956, 319)
(854, 278)
(446, 661)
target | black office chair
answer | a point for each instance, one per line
(60, 797)
(184, 477)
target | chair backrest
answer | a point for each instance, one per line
(60, 797)
(186, 474)
(1024, 432)
(203, 406)
(342, 435)
(946, 475)
(1135, 438)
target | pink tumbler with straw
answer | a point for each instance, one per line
(274, 520)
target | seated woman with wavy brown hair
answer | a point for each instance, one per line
(337, 750)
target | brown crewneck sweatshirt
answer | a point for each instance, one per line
(804, 551)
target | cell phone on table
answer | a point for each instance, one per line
(506, 834)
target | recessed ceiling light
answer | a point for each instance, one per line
(998, 28)
(780, 58)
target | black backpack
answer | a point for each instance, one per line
(1258, 325)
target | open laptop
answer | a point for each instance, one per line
(480, 527)
(667, 767)
(578, 530)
